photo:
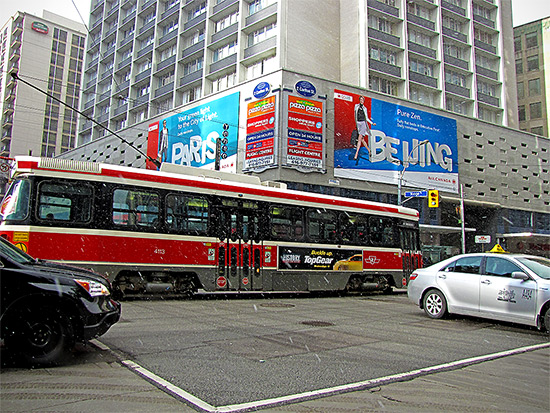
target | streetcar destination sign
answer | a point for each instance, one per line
(416, 193)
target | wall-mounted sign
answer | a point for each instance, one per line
(261, 146)
(305, 88)
(40, 27)
(261, 90)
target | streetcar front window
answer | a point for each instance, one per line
(15, 205)
(65, 201)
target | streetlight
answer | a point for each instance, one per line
(405, 163)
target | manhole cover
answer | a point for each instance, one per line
(317, 323)
(277, 305)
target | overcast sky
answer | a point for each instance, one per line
(524, 11)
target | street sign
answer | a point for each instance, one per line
(483, 239)
(421, 194)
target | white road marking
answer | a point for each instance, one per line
(293, 398)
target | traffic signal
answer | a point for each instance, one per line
(433, 198)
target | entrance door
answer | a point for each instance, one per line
(240, 251)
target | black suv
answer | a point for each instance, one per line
(47, 307)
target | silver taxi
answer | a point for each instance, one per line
(506, 287)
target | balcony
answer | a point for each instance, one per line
(223, 63)
(126, 41)
(384, 37)
(483, 20)
(120, 109)
(197, 47)
(223, 5)
(261, 15)
(485, 46)
(463, 64)
(420, 21)
(168, 13)
(490, 100)
(140, 100)
(124, 63)
(147, 26)
(166, 62)
(260, 47)
(454, 34)
(394, 11)
(422, 79)
(222, 34)
(449, 6)
(423, 50)
(491, 74)
(190, 78)
(385, 67)
(143, 75)
(164, 90)
(195, 21)
(168, 36)
(147, 49)
(457, 90)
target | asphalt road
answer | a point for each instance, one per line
(230, 354)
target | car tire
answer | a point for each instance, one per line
(43, 336)
(546, 320)
(434, 304)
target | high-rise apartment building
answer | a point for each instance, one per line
(146, 57)
(47, 51)
(532, 43)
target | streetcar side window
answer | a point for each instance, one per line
(15, 205)
(135, 208)
(186, 214)
(354, 229)
(286, 223)
(381, 232)
(321, 225)
(65, 201)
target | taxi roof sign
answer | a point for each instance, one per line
(497, 248)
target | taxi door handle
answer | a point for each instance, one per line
(442, 276)
(486, 282)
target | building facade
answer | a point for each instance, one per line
(531, 44)
(145, 57)
(47, 51)
(493, 181)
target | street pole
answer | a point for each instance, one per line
(406, 161)
(462, 225)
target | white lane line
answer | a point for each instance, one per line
(293, 398)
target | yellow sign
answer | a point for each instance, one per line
(20, 237)
(22, 247)
(497, 248)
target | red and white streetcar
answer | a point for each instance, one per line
(181, 230)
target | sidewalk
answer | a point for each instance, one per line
(97, 382)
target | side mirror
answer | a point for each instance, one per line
(517, 275)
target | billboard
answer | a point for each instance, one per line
(261, 148)
(304, 143)
(189, 138)
(396, 145)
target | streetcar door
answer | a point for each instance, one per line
(410, 248)
(240, 247)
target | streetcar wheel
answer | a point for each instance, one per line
(42, 336)
(435, 304)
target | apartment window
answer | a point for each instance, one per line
(537, 130)
(419, 10)
(168, 53)
(519, 66)
(455, 105)
(521, 90)
(534, 87)
(196, 11)
(517, 44)
(455, 78)
(483, 37)
(379, 23)
(224, 82)
(143, 66)
(486, 62)
(454, 51)
(421, 96)
(383, 85)
(166, 78)
(170, 27)
(191, 95)
(197, 37)
(382, 55)
(418, 66)
(481, 11)
(260, 68)
(140, 116)
(456, 3)
(126, 54)
(262, 34)
(531, 40)
(486, 88)
(258, 5)
(420, 38)
(164, 105)
(121, 124)
(149, 17)
(128, 32)
(532, 63)
(535, 110)
(521, 113)
(453, 24)
(193, 66)
(168, 4)
(144, 90)
(226, 22)
(148, 40)
(488, 115)
(224, 51)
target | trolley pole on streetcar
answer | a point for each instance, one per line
(405, 163)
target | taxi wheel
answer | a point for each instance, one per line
(435, 304)
(546, 320)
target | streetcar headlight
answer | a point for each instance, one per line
(94, 288)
